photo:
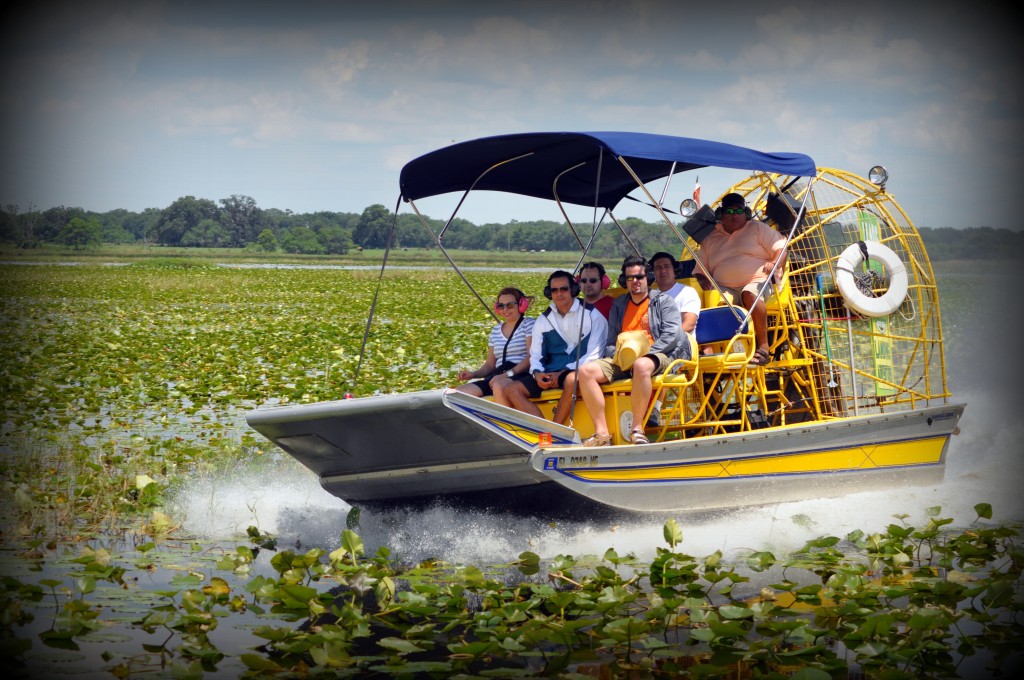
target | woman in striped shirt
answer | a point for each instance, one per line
(508, 347)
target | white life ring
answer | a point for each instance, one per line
(848, 263)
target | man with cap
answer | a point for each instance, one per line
(739, 254)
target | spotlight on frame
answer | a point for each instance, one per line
(878, 176)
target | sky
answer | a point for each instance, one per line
(309, 106)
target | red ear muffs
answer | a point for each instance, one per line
(524, 303)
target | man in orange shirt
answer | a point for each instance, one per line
(657, 316)
(740, 254)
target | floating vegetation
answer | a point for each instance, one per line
(906, 602)
(120, 384)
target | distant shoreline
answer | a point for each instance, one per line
(115, 255)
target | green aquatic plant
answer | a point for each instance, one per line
(838, 603)
(124, 384)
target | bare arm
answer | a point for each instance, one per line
(484, 369)
(781, 256)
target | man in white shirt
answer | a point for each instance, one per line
(687, 299)
(566, 335)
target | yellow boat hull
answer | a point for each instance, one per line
(767, 466)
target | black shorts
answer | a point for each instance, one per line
(484, 385)
(530, 383)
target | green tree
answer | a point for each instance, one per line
(143, 225)
(409, 233)
(241, 218)
(373, 227)
(113, 229)
(207, 234)
(335, 240)
(267, 241)
(53, 220)
(301, 240)
(80, 233)
(19, 228)
(279, 220)
(9, 228)
(179, 217)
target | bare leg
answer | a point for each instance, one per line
(590, 379)
(565, 401)
(640, 397)
(759, 316)
(498, 387)
(519, 399)
(470, 388)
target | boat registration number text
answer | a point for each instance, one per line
(565, 462)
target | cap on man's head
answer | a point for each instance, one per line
(733, 200)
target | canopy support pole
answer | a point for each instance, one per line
(376, 293)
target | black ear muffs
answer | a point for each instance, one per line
(574, 288)
(649, 270)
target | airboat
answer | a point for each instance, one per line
(853, 398)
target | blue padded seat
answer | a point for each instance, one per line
(718, 324)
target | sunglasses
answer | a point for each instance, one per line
(506, 305)
(734, 211)
(590, 280)
(635, 277)
(560, 289)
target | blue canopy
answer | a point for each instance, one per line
(531, 162)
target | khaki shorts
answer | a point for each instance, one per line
(612, 372)
(737, 293)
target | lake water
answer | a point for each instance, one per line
(983, 465)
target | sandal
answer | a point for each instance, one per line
(638, 437)
(760, 357)
(598, 440)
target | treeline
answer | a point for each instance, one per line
(237, 222)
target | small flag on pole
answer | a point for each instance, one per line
(696, 190)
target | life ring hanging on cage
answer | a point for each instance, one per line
(858, 295)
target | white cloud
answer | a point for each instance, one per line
(934, 128)
(337, 71)
(428, 49)
(343, 131)
(701, 60)
(314, 84)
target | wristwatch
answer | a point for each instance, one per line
(511, 372)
